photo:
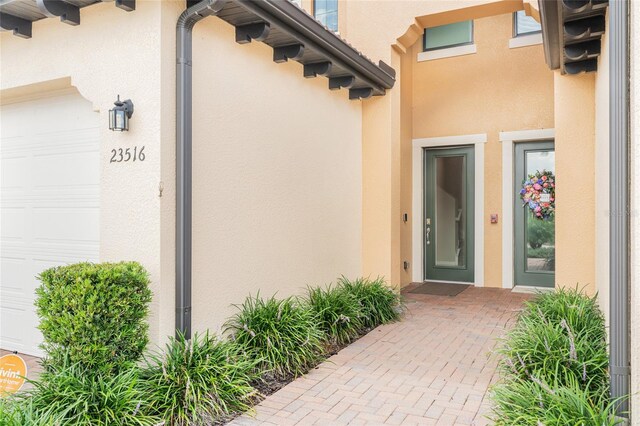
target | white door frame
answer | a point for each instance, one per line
(508, 139)
(478, 141)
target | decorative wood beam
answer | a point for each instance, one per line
(317, 68)
(68, 13)
(258, 31)
(336, 83)
(582, 66)
(127, 5)
(291, 51)
(20, 27)
(361, 93)
(580, 51)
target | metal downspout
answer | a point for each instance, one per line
(184, 96)
(619, 226)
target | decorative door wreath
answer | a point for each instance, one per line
(538, 193)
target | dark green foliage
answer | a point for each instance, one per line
(380, 304)
(19, 410)
(339, 313)
(281, 335)
(529, 403)
(198, 381)
(72, 395)
(94, 315)
(554, 364)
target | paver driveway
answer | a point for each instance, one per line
(434, 367)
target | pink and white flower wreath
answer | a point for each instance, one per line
(538, 193)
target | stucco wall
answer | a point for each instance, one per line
(575, 177)
(635, 211)
(86, 57)
(277, 176)
(277, 157)
(497, 89)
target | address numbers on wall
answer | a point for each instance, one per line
(120, 155)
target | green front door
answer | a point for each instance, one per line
(449, 214)
(534, 254)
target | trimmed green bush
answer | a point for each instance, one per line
(339, 313)
(554, 364)
(94, 315)
(72, 395)
(380, 304)
(199, 381)
(281, 335)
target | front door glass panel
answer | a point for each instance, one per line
(449, 216)
(534, 242)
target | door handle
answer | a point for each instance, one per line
(428, 231)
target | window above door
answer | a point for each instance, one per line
(446, 36)
(526, 31)
(524, 25)
(326, 11)
(446, 41)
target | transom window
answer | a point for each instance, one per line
(450, 35)
(326, 11)
(524, 25)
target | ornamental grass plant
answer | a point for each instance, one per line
(282, 336)
(73, 395)
(554, 364)
(198, 381)
(339, 314)
(380, 304)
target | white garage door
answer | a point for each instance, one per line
(49, 203)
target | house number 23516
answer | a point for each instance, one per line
(127, 154)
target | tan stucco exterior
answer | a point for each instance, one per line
(494, 90)
(575, 173)
(277, 177)
(131, 220)
(294, 184)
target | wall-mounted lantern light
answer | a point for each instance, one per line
(120, 115)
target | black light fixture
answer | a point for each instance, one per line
(120, 115)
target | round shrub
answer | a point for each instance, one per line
(282, 335)
(198, 381)
(94, 315)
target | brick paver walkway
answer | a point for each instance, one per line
(432, 368)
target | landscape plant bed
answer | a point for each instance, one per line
(554, 365)
(207, 379)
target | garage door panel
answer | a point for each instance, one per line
(64, 169)
(12, 223)
(14, 171)
(86, 224)
(49, 203)
(12, 270)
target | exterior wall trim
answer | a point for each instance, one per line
(478, 141)
(450, 52)
(508, 139)
(525, 40)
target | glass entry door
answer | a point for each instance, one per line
(449, 214)
(534, 254)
